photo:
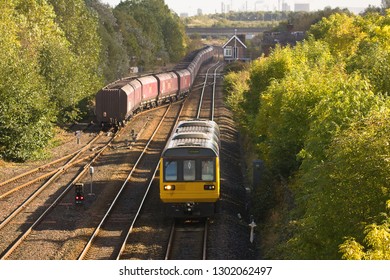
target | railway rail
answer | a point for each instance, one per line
(17, 229)
(23, 211)
(188, 240)
(118, 248)
(207, 110)
(111, 238)
(108, 240)
(127, 248)
(33, 176)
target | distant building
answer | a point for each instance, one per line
(302, 7)
(235, 49)
(227, 8)
(200, 12)
(356, 10)
(289, 37)
(286, 7)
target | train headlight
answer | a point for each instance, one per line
(209, 187)
(169, 187)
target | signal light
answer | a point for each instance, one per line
(209, 187)
(79, 198)
(79, 193)
(169, 187)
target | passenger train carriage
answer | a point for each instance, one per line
(189, 169)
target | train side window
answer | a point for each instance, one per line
(208, 170)
(170, 167)
(189, 170)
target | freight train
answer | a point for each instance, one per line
(118, 101)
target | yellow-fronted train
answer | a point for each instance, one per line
(189, 169)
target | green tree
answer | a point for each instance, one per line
(174, 35)
(235, 87)
(262, 73)
(80, 27)
(341, 32)
(150, 31)
(319, 115)
(285, 106)
(72, 72)
(353, 182)
(377, 241)
(114, 61)
(329, 182)
(373, 55)
(133, 37)
(26, 117)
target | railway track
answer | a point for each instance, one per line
(188, 240)
(130, 246)
(66, 212)
(34, 176)
(150, 233)
(113, 239)
(142, 238)
(22, 214)
(206, 107)
(108, 240)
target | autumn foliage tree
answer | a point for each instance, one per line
(318, 114)
(55, 56)
(26, 117)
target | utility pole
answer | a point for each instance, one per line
(235, 44)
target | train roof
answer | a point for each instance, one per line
(126, 88)
(194, 137)
(197, 122)
(166, 75)
(147, 79)
(118, 83)
(182, 72)
(135, 84)
(198, 125)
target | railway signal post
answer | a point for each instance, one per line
(79, 193)
(91, 171)
(252, 225)
(78, 137)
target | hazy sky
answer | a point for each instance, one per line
(212, 6)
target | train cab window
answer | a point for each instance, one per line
(208, 170)
(189, 170)
(170, 167)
